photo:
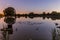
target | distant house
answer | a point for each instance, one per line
(10, 11)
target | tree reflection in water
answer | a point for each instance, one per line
(8, 30)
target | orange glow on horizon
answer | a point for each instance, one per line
(26, 12)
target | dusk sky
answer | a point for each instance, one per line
(25, 6)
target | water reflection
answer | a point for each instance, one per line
(27, 28)
(8, 30)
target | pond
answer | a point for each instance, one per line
(25, 28)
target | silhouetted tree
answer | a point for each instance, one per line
(48, 13)
(53, 12)
(44, 13)
(31, 15)
(10, 11)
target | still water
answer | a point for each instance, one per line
(22, 28)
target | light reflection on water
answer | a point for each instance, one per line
(26, 28)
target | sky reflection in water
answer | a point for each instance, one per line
(28, 28)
